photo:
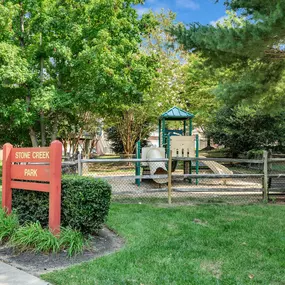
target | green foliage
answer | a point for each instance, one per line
(133, 123)
(200, 85)
(58, 59)
(254, 82)
(72, 240)
(13, 68)
(32, 237)
(183, 79)
(255, 154)
(167, 89)
(249, 35)
(250, 43)
(116, 142)
(8, 225)
(84, 201)
(31, 206)
(244, 128)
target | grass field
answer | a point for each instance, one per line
(189, 245)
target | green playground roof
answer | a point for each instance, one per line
(176, 114)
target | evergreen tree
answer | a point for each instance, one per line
(243, 128)
(256, 32)
(251, 43)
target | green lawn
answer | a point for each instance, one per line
(189, 245)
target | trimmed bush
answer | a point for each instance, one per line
(31, 206)
(85, 204)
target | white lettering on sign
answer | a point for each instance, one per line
(40, 154)
(30, 172)
(23, 154)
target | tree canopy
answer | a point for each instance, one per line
(251, 42)
(67, 65)
(244, 128)
(256, 31)
(60, 58)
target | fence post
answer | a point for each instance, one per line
(270, 163)
(169, 176)
(138, 165)
(79, 164)
(265, 178)
(197, 155)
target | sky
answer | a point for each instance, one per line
(188, 11)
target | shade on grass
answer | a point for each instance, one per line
(189, 245)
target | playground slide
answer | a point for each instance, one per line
(217, 168)
(156, 168)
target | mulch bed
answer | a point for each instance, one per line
(38, 263)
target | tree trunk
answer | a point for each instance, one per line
(65, 147)
(54, 130)
(208, 142)
(43, 128)
(22, 26)
(129, 120)
(33, 137)
(42, 115)
(77, 140)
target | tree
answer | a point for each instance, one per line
(83, 125)
(58, 57)
(117, 144)
(168, 87)
(132, 124)
(183, 80)
(244, 128)
(200, 85)
(249, 42)
(114, 137)
(256, 32)
(165, 88)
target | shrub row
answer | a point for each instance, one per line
(84, 204)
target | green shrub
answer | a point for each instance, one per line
(8, 224)
(31, 206)
(84, 204)
(32, 237)
(255, 154)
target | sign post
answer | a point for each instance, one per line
(36, 169)
(6, 178)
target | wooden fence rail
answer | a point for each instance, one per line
(266, 162)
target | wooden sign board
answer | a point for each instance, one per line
(35, 169)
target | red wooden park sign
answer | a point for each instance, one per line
(36, 169)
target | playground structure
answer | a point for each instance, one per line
(166, 171)
(179, 143)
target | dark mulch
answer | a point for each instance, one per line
(37, 263)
